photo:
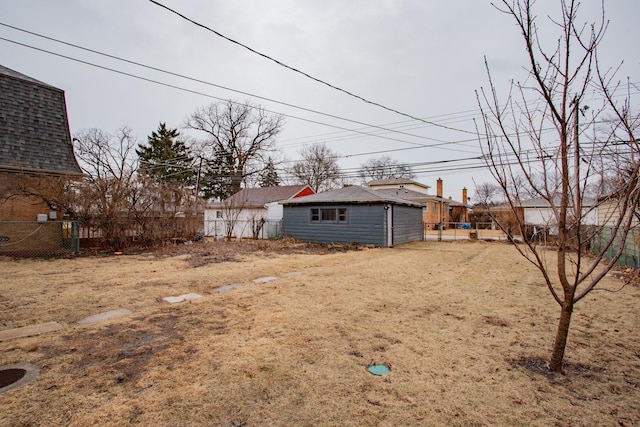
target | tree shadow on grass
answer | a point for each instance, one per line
(540, 366)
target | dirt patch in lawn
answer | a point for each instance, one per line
(466, 329)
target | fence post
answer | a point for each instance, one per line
(75, 238)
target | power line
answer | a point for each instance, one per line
(221, 99)
(306, 74)
(358, 131)
(214, 84)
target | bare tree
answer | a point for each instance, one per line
(240, 136)
(557, 144)
(318, 168)
(487, 194)
(109, 162)
(383, 168)
(232, 208)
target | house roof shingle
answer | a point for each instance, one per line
(351, 194)
(393, 181)
(260, 196)
(34, 129)
(412, 195)
(539, 202)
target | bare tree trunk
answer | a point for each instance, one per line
(557, 356)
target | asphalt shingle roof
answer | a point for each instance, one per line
(351, 194)
(416, 196)
(539, 202)
(393, 181)
(258, 197)
(34, 129)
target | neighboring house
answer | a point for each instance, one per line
(251, 212)
(398, 184)
(538, 217)
(436, 208)
(36, 163)
(609, 210)
(538, 212)
(612, 222)
(353, 214)
(36, 155)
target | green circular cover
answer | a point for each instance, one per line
(379, 369)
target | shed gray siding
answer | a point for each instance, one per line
(366, 224)
(407, 224)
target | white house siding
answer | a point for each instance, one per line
(609, 212)
(545, 217)
(247, 219)
(274, 211)
(539, 216)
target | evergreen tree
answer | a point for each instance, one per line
(216, 180)
(165, 158)
(269, 176)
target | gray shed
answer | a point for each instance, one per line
(352, 214)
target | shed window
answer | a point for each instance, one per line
(328, 214)
(342, 215)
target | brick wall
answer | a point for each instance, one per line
(22, 238)
(15, 206)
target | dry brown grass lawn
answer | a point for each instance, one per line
(466, 328)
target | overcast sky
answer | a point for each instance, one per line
(420, 57)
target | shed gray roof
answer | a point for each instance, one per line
(260, 196)
(351, 194)
(34, 129)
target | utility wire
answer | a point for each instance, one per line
(438, 145)
(215, 85)
(460, 115)
(377, 134)
(306, 74)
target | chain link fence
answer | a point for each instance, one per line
(219, 229)
(630, 256)
(463, 231)
(38, 239)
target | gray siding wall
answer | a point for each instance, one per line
(407, 224)
(366, 224)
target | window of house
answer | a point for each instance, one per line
(218, 214)
(328, 214)
(434, 206)
(342, 215)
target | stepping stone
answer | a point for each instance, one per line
(265, 279)
(181, 298)
(227, 288)
(294, 273)
(29, 331)
(102, 317)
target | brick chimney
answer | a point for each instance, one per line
(464, 195)
(439, 188)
